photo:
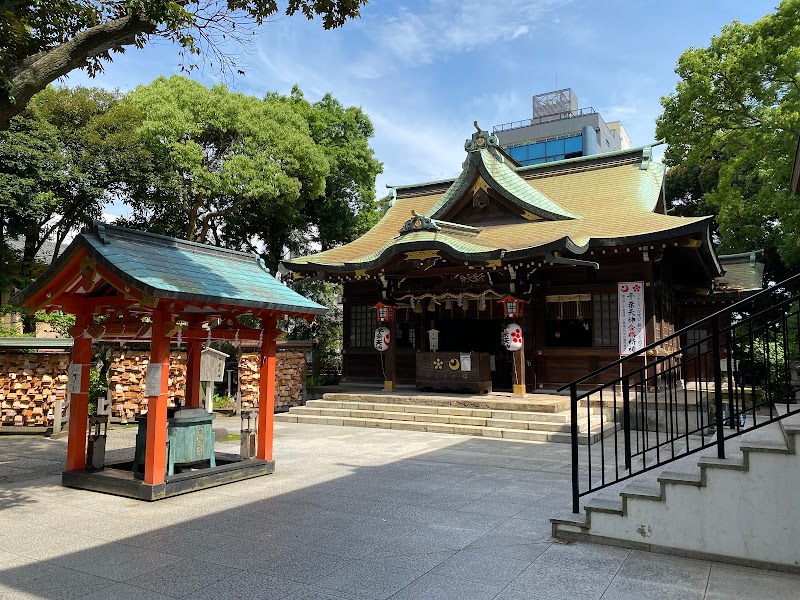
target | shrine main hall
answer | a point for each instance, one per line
(548, 249)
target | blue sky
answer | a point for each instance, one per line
(424, 71)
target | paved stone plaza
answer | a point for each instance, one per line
(350, 514)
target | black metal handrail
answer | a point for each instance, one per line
(724, 374)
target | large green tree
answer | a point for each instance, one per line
(731, 127)
(53, 170)
(212, 159)
(347, 208)
(42, 40)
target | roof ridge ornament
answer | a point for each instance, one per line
(418, 223)
(481, 139)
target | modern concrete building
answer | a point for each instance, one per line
(559, 129)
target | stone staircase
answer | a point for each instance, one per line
(742, 509)
(545, 419)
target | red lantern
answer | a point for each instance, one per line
(386, 312)
(512, 307)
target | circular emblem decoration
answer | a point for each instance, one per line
(382, 339)
(454, 364)
(417, 224)
(512, 337)
(437, 364)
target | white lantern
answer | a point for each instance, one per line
(433, 339)
(512, 337)
(383, 338)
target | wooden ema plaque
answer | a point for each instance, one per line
(467, 372)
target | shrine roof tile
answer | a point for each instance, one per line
(170, 268)
(610, 200)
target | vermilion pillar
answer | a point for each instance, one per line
(266, 388)
(193, 355)
(155, 460)
(79, 402)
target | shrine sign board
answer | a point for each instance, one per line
(631, 317)
(212, 365)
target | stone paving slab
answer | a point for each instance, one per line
(350, 514)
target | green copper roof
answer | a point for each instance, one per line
(504, 181)
(165, 267)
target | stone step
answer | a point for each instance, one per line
(547, 404)
(532, 422)
(522, 415)
(769, 438)
(529, 435)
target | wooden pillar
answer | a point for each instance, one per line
(79, 401)
(266, 388)
(155, 460)
(518, 373)
(389, 358)
(193, 354)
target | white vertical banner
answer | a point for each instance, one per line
(631, 317)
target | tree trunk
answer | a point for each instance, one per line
(33, 73)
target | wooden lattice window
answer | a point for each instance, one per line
(605, 320)
(362, 325)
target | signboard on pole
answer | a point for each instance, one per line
(212, 365)
(631, 317)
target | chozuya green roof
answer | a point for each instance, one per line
(571, 205)
(165, 267)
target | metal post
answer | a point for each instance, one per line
(626, 420)
(573, 393)
(718, 387)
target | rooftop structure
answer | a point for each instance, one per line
(559, 129)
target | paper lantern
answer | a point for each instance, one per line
(383, 339)
(512, 337)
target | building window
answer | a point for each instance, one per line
(568, 321)
(362, 325)
(406, 335)
(605, 318)
(582, 321)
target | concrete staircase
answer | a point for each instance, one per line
(742, 509)
(545, 419)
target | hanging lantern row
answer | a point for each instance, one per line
(513, 307)
(386, 312)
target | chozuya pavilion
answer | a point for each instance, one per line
(579, 255)
(128, 286)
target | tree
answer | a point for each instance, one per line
(347, 209)
(44, 40)
(213, 159)
(53, 169)
(732, 126)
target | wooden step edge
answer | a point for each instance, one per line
(681, 478)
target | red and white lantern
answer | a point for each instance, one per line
(512, 337)
(383, 339)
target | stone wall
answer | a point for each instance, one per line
(30, 384)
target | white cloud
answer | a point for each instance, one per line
(448, 27)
